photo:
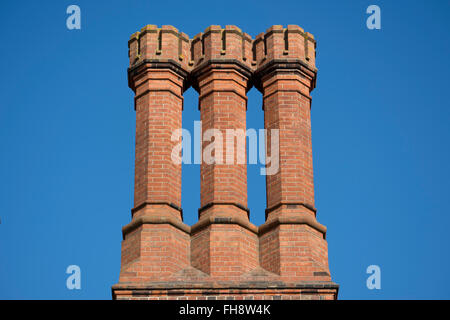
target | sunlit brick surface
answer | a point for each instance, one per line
(223, 255)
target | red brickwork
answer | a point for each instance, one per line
(223, 255)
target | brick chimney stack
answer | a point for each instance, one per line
(223, 255)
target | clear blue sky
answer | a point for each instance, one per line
(380, 119)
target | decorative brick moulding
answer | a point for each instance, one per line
(223, 255)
